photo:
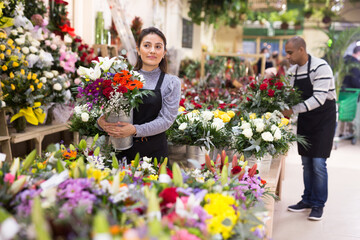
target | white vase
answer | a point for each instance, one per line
(121, 143)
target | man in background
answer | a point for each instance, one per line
(352, 80)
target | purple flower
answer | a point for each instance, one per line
(24, 201)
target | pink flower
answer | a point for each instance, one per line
(9, 178)
(53, 47)
(184, 234)
(77, 81)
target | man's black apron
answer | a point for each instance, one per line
(151, 146)
(317, 125)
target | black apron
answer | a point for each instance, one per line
(317, 125)
(151, 146)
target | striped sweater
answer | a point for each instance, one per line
(323, 82)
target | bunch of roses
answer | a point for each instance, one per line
(268, 95)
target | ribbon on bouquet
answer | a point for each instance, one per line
(33, 115)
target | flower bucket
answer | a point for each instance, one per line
(121, 143)
(214, 152)
(263, 163)
(177, 153)
(19, 124)
(196, 153)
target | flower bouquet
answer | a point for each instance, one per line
(268, 134)
(22, 89)
(204, 128)
(270, 94)
(113, 86)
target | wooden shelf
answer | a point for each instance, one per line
(4, 138)
(37, 133)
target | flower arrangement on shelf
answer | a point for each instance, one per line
(112, 85)
(58, 20)
(71, 186)
(257, 135)
(269, 94)
(209, 129)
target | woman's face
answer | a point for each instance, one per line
(151, 51)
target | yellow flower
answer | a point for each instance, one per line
(181, 109)
(15, 64)
(252, 116)
(226, 118)
(284, 121)
(3, 35)
(29, 76)
(32, 87)
(153, 177)
(22, 71)
(12, 47)
(196, 112)
(18, 48)
(122, 175)
(36, 80)
(133, 163)
(216, 113)
(26, 63)
(2, 85)
(2, 56)
(2, 47)
(11, 75)
(34, 76)
(8, 52)
(40, 85)
(4, 68)
(40, 165)
(33, 170)
(267, 115)
(10, 41)
(86, 79)
(230, 113)
(12, 87)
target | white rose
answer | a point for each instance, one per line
(35, 43)
(248, 133)
(20, 41)
(3, 104)
(77, 109)
(14, 32)
(56, 73)
(57, 87)
(207, 115)
(277, 134)
(85, 117)
(267, 136)
(245, 125)
(218, 124)
(183, 126)
(66, 84)
(25, 50)
(260, 127)
(33, 49)
(43, 79)
(48, 75)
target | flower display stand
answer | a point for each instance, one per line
(37, 134)
(4, 137)
(274, 181)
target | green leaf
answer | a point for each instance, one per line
(38, 219)
(97, 151)
(59, 166)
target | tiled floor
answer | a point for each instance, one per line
(342, 211)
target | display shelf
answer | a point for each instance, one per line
(37, 133)
(4, 135)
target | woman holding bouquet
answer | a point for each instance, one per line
(158, 110)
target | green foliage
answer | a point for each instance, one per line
(334, 53)
(34, 7)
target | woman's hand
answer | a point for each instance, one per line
(118, 129)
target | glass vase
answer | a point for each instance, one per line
(121, 143)
(20, 124)
(99, 28)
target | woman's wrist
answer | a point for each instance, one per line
(135, 133)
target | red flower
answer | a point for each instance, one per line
(122, 89)
(107, 91)
(169, 172)
(168, 195)
(263, 86)
(235, 170)
(279, 85)
(252, 85)
(182, 101)
(80, 48)
(106, 83)
(271, 93)
(263, 181)
(271, 81)
(222, 105)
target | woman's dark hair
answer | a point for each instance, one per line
(144, 32)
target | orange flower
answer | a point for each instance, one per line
(263, 181)
(71, 154)
(134, 84)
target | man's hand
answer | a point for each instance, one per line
(287, 112)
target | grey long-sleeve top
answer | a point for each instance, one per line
(170, 92)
